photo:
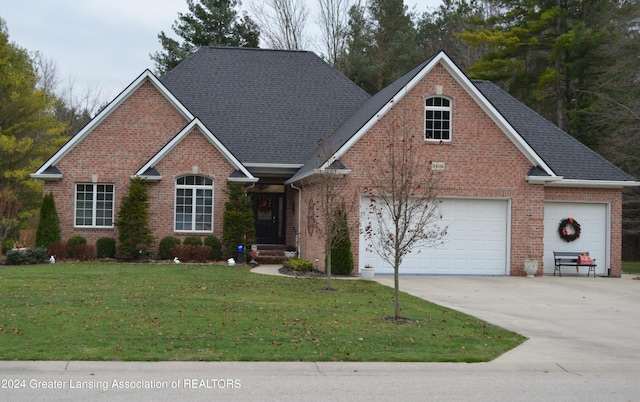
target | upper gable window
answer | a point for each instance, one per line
(437, 119)
(194, 204)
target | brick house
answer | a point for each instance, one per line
(255, 116)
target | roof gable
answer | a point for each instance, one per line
(537, 139)
(377, 106)
(45, 171)
(149, 172)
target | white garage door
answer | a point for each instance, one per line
(476, 243)
(593, 219)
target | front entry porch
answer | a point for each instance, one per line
(269, 213)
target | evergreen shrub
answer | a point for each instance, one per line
(216, 247)
(341, 255)
(34, 255)
(298, 264)
(48, 230)
(134, 233)
(192, 241)
(106, 247)
(166, 246)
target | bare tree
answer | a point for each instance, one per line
(47, 70)
(334, 16)
(324, 213)
(281, 23)
(404, 207)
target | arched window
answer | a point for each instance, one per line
(194, 204)
(437, 119)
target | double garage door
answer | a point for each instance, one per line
(476, 243)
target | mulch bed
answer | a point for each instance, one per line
(309, 274)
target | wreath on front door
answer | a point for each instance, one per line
(569, 229)
(264, 204)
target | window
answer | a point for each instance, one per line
(194, 204)
(94, 205)
(437, 119)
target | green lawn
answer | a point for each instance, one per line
(631, 267)
(153, 312)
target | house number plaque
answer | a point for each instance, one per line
(437, 165)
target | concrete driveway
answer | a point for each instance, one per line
(567, 319)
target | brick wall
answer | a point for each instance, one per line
(480, 161)
(120, 145)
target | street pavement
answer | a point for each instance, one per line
(584, 345)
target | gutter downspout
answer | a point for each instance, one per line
(299, 217)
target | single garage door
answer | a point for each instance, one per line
(476, 243)
(593, 220)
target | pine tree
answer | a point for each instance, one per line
(48, 231)
(208, 23)
(382, 42)
(134, 234)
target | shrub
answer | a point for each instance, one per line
(192, 241)
(237, 222)
(298, 264)
(37, 254)
(16, 257)
(72, 242)
(341, 255)
(59, 249)
(33, 255)
(216, 247)
(166, 246)
(200, 253)
(106, 247)
(187, 253)
(134, 233)
(84, 252)
(48, 231)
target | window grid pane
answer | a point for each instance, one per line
(94, 205)
(194, 204)
(437, 119)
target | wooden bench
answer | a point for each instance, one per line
(570, 259)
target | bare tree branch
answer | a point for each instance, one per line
(334, 16)
(281, 23)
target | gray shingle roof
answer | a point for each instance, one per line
(565, 155)
(272, 107)
(366, 112)
(265, 106)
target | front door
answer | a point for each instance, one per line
(268, 210)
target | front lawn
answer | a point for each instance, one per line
(631, 267)
(153, 312)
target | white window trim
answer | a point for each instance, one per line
(438, 108)
(193, 197)
(93, 206)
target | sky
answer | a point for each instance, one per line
(103, 45)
